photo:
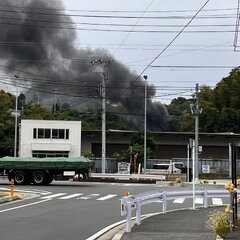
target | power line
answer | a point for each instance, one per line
(166, 46)
(114, 11)
(131, 30)
(113, 30)
(112, 24)
(191, 66)
(115, 16)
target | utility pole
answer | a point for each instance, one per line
(195, 109)
(145, 126)
(16, 116)
(55, 99)
(104, 72)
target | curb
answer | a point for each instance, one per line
(116, 233)
(9, 198)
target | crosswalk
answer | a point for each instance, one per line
(99, 197)
(198, 200)
(79, 196)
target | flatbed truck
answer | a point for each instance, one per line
(42, 171)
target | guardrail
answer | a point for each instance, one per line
(131, 202)
(128, 176)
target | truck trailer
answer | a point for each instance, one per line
(42, 171)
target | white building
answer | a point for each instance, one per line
(47, 138)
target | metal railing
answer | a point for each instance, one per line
(128, 176)
(131, 202)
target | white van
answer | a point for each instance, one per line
(172, 167)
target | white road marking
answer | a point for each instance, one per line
(53, 195)
(71, 196)
(107, 197)
(179, 200)
(217, 201)
(89, 196)
(22, 206)
(199, 200)
(34, 191)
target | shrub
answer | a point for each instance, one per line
(178, 180)
(220, 223)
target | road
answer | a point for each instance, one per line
(71, 210)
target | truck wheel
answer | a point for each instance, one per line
(19, 177)
(39, 178)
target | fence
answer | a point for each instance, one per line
(129, 203)
(219, 166)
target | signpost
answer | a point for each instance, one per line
(123, 168)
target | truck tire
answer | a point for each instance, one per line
(39, 178)
(20, 177)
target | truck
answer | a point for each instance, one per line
(167, 168)
(42, 171)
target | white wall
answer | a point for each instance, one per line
(27, 143)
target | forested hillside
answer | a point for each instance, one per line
(220, 107)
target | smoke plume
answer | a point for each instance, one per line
(38, 46)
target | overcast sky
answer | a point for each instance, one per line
(137, 47)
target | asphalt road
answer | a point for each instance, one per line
(70, 210)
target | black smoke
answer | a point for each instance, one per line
(38, 44)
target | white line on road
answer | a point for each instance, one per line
(199, 200)
(179, 200)
(34, 191)
(89, 196)
(53, 195)
(217, 201)
(71, 196)
(22, 206)
(107, 197)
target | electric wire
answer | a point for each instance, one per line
(168, 45)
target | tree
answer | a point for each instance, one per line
(6, 124)
(182, 119)
(36, 111)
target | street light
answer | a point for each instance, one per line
(16, 115)
(145, 125)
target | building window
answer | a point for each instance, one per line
(61, 133)
(34, 133)
(49, 154)
(48, 133)
(40, 133)
(55, 133)
(67, 133)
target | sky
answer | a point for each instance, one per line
(137, 49)
(50, 46)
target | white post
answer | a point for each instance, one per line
(164, 203)
(205, 198)
(128, 217)
(139, 168)
(188, 147)
(193, 173)
(138, 212)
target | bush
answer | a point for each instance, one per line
(220, 223)
(178, 180)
